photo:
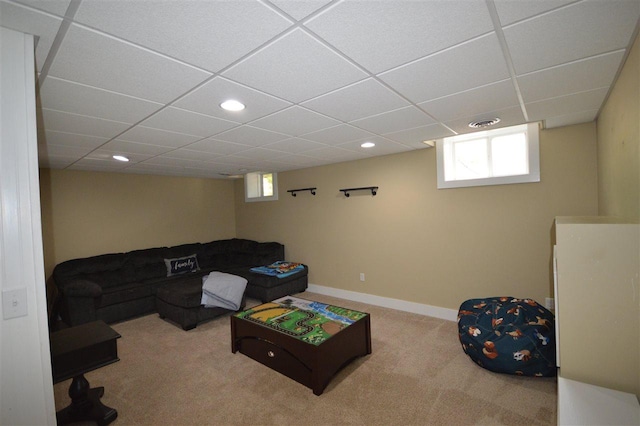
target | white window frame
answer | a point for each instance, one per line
(250, 177)
(533, 150)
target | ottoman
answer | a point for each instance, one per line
(180, 302)
(508, 335)
(267, 288)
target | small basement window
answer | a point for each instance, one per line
(491, 157)
(260, 186)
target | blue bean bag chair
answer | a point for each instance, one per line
(508, 335)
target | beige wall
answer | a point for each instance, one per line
(619, 143)
(91, 213)
(420, 244)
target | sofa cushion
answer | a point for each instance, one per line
(214, 254)
(125, 293)
(106, 270)
(182, 250)
(147, 264)
(182, 265)
(186, 293)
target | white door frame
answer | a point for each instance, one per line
(26, 385)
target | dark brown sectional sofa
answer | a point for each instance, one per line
(118, 286)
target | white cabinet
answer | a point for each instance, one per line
(597, 295)
(598, 301)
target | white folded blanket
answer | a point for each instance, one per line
(222, 290)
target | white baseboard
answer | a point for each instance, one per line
(386, 302)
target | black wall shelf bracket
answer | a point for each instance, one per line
(373, 189)
(293, 191)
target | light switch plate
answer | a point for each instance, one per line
(14, 303)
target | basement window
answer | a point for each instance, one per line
(491, 157)
(260, 186)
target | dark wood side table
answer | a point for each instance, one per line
(74, 352)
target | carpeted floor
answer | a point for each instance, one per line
(416, 375)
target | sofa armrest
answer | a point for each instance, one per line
(81, 288)
(79, 300)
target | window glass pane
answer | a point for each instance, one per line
(267, 185)
(470, 159)
(509, 155)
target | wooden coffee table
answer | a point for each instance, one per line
(306, 341)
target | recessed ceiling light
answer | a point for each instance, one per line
(368, 145)
(120, 158)
(232, 105)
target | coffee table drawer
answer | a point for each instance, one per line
(276, 358)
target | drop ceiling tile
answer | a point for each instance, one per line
(217, 33)
(158, 137)
(301, 8)
(282, 165)
(126, 147)
(338, 134)
(54, 162)
(187, 154)
(239, 164)
(383, 35)
(491, 97)
(573, 118)
(187, 122)
(57, 7)
(295, 145)
(311, 162)
(251, 136)
(393, 121)
(218, 147)
(213, 171)
(76, 98)
(144, 168)
(164, 160)
(334, 154)
(508, 117)
(577, 76)
(80, 124)
(564, 105)
(107, 155)
(256, 154)
(71, 139)
(94, 59)
(295, 68)
(578, 31)
(18, 18)
(476, 63)
(510, 11)
(98, 165)
(415, 137)
(64, 151)
(207, 99)
(383, 147)
(295, 121)
(301, 161)
(359, 100)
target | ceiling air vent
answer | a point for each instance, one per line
(481, 124)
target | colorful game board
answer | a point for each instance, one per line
(311, 322)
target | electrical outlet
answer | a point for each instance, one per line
(361, 276)
(14, 303)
